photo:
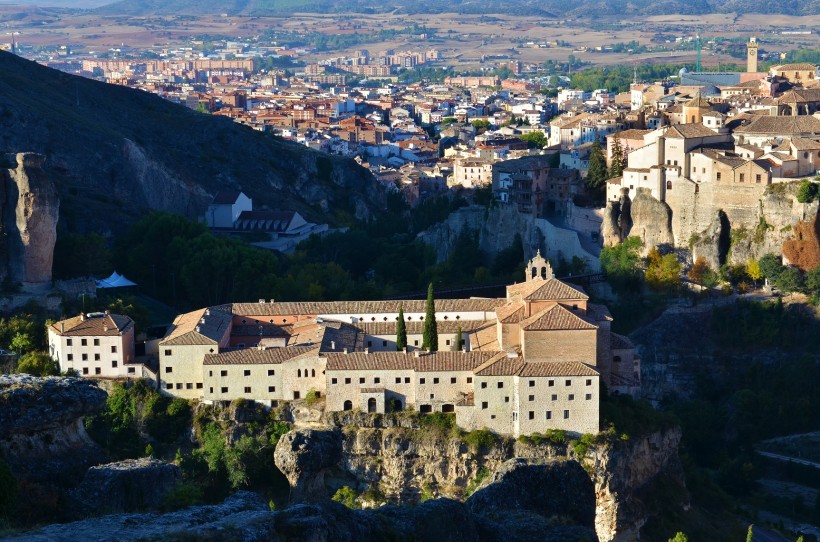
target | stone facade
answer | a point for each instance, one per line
(95, 345)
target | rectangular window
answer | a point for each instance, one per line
(189, 385)
(421, 380)
(384, 343)
(71, 357)
(96, 342)
(589, 382)
(179, 385)
(483, 385)
(167, 352)
(113, 363)
(500, 385)
(361, 380)
(271, 389)
(96, 357)
(83, 342)
(223, 389)
(742, 177)
(415, 343)
(507, 399)
(566, 414)
(453, 380)
(132, 370)
(68, 342)
(199, 385)
(484, 405)
(568, 382)
(532, 383)
(114, 349)
(398, 380)
(169, 386)
(717, 176)
(369, 344)
(571, 397)
(554, 397)
(531, 398)
(271, 372)
(531, 414)
(247, 389)
(247, 372)
(85, 357)
(85, 371)
(406, 379)
(757, 178)
(210, 390)
(296, 395)
(588, 396)
(347, 381)
(332, 380)
(223, 373)
(377, 380)
(435, 380)
(447, 342)
(550, 383)
(469, 380)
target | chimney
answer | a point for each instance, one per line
(417, 353)
(197, 329)
(405, 349)
(367, 350)
(62, 327)
(262, 301)
(207, 312)
(105, 328)
(107, 312)
(271, 301)
(345, 350)
(333, 345)
(464, 348)
(82, 317)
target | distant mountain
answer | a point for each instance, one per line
(116, 152)
(582, 8)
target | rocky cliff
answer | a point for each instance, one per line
(398, 465)
(497, 227)
(115, 153)
(722, 224)
(544, 503)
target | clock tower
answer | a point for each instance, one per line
(751, 55)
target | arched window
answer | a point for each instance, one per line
(669, 185)
(312, 372)
(371, 405)
(348, 405)
(299, 373)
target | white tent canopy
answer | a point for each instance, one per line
(115, 281)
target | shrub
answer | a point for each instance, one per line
(38, 364)
(346, 496)
(426, 492)
(183, 495)
(582, 446)
(480, 476)
(480, 439)
(312, 397)
(807, 191)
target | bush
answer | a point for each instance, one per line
(346, 496)
(480, 439)
(807, 191)
(183, 495)
(480, 476)
(38, 364)
(312, 397)
(582, 446)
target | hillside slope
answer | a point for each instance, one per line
(582, 9)
(116, 152)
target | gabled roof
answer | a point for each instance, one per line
(688, 131)
(546, 290)
(555, 318)
(93, 325)
(511, 313)
(226, 197)
(203, 326)
(256, 356)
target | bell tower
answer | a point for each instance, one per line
(538, 268)
(751, 55)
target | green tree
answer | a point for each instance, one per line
(430, 338)
(750, 535)
(22, 343)
(622, 262)
(597, 172)
(663, 272)
(346, 496)
(616, 168)
(534, 139)
(807, 191)
(459, 340)
(38, 364)
(679, 537)
(790, 280)
(401, 331)
(771, 266)
(813, 281)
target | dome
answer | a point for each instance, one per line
(710, 90)
(683, 71)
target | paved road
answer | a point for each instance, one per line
(792, 459)
(761, 534)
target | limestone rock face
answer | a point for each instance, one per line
(133, 484)
(651, 220)
(32, 226)
(303, 457)
(617, 220)
(624, 477)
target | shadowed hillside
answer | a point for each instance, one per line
(116, 152)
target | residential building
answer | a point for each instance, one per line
(97, 344)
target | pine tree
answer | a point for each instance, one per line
(616, 169)
(596, 174)
(750, 535)
(430, 339)
(401, 331)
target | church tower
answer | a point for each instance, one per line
(538, 268)
(751, 55)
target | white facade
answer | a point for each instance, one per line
(94, 345)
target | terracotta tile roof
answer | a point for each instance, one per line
(783, 126)
(417, 327)
(255, 356)
(511, 313)
(203, 326)
(484, 339)
(633, 134)
(544, 290)
(433, 362)
(688, 131)
(598, 313)
(804, 144)
(362, 307)
(800, 66)
(557, 368)
(503, 366)
(98, 325)
(554, 318)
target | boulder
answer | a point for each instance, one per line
(303, 457)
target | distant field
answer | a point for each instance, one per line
(462, 39)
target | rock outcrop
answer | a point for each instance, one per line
(524, 502)
(402, 465)
(803, 249)
(30, 210)
(124, 486)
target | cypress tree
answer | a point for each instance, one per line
(430, 339)
(401, 331)
(616, 169)
(459, 340)
(597, 173)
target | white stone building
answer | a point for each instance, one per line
(98, 344)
